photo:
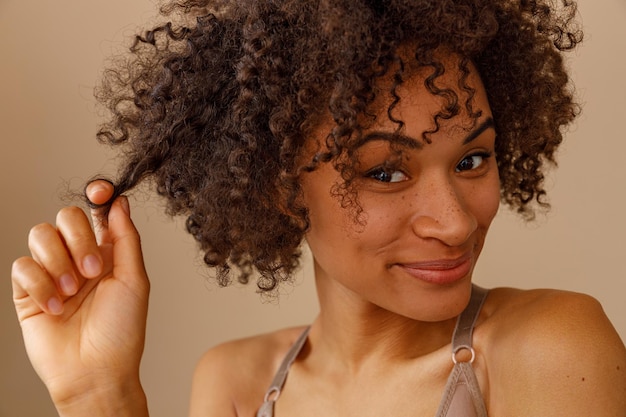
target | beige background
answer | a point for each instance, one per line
(51, 54)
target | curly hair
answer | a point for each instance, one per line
(215, 106)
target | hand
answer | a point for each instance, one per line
(82, 299)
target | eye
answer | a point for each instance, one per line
(386, 175)
(471, 162)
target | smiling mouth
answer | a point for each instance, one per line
(440, 271)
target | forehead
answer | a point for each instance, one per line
(409, 98)
(420, 94)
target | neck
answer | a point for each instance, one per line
(356, 332)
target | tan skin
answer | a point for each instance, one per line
(381, 343)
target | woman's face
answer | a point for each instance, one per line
(424, 218)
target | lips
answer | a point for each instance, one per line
(440, 271)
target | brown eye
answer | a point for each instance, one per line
(472, 162)
(386, 175)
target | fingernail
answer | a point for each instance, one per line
(68, 284)
(94, 188)
(91, 266)
(55, 306)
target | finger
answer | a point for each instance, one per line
(49, 251)
(99, 192)
(33, 289)
(127, 257)
(79, 237)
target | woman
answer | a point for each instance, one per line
(382, 133)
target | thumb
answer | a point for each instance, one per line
(99, 192)
(128, 262)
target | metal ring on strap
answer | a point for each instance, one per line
(271, 391)
(460, 348)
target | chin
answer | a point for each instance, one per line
(444, 303)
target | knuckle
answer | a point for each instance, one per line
(40, 231)
(20, 265)
(27, 273)
(68, 213)
(74, 226)
(80, 243)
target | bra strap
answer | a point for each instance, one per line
(462, 395)
(462, 336)
(461, 339)
(272, 394)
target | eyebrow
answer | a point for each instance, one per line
(486, 124)
(412, 143)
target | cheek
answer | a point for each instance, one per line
(339, 235)
(329, 225)
(481, 199)
(486, 201)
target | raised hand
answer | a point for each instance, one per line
(81, 299)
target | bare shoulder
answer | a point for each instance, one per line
(552, 353)
(231, 378)
(568, 312)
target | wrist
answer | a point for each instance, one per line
(115, 399)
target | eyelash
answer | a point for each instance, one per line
(389, 171)
(483, 155)
(377, 172)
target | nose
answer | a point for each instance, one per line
(442, 214)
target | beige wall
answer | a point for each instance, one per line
(50, 57)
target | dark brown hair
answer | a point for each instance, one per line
(215, 106)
